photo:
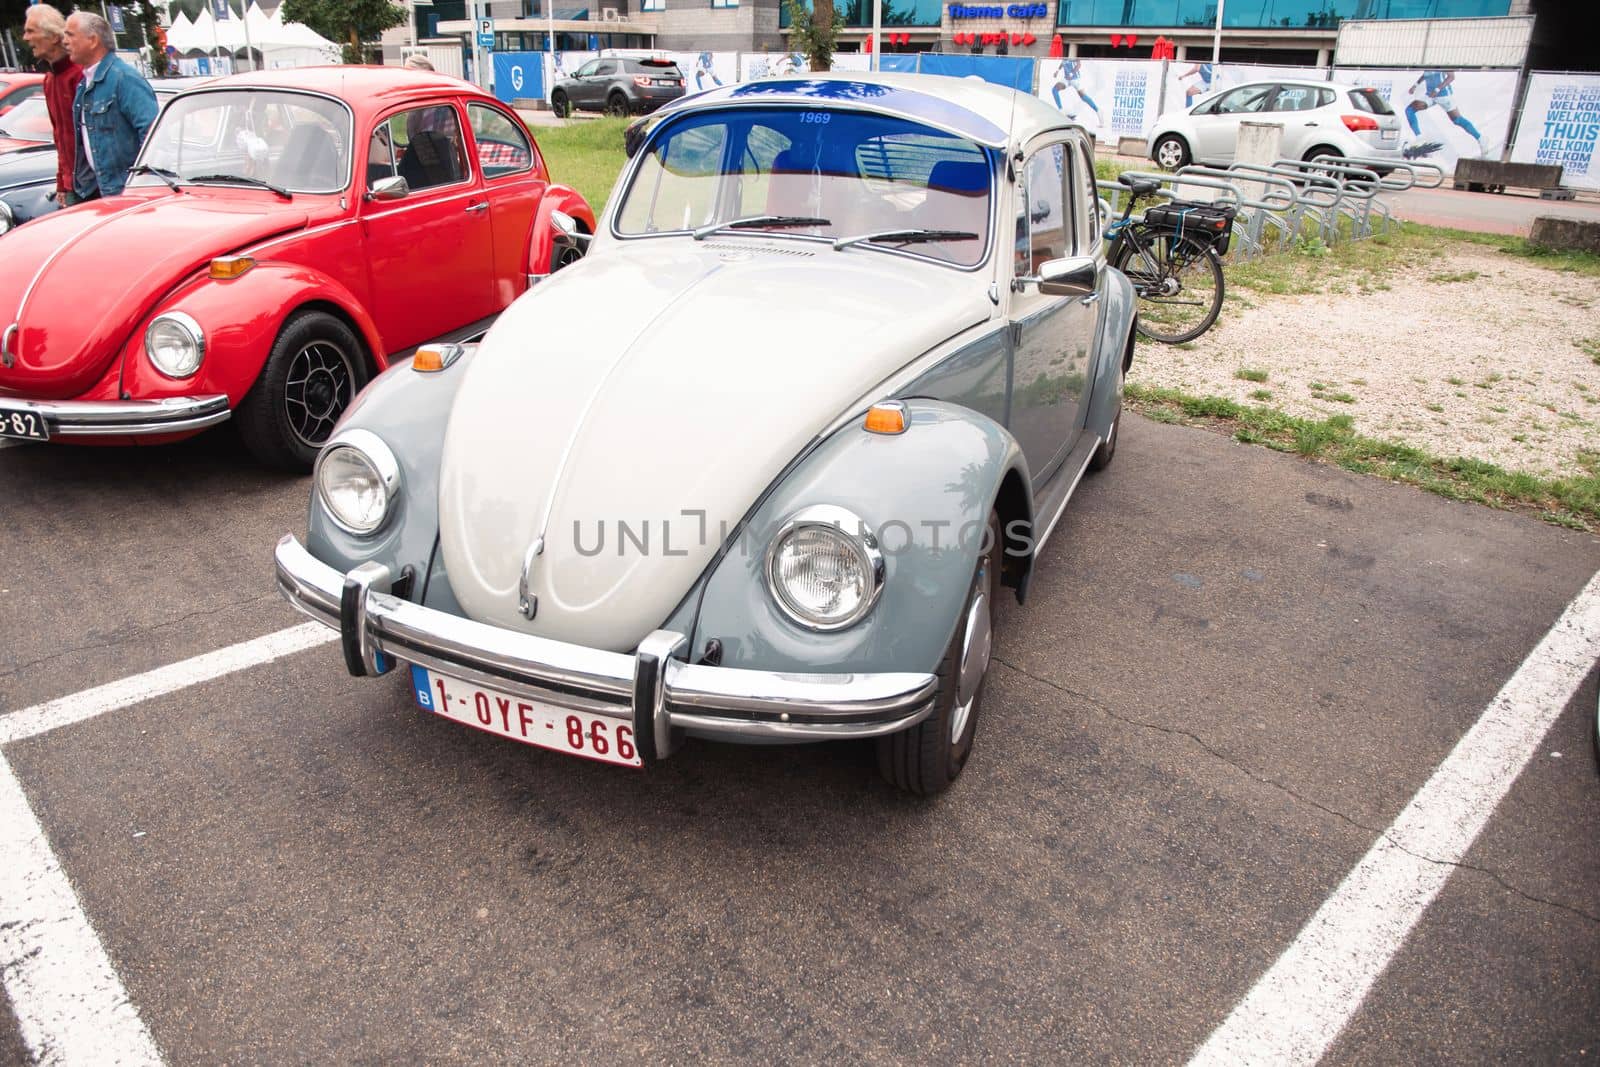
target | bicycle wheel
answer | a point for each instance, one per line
(1179, 282)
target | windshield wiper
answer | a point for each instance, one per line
(244, 180)
(906, 237)
(759, 222)
(168, 176)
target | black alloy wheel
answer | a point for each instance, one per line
(317, 366)
(560, 105)
(617, 104)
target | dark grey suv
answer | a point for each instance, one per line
(618, 86)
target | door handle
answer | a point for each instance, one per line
(478, 207)
(1311, 124)
(1091, 298)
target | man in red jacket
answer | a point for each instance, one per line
(43, 31)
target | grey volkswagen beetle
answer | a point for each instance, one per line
(757, 466)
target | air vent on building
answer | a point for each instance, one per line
(610, 14)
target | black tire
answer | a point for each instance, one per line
(1323, 150)
(617, 104)
(926, 758)
(1175, 148)
(316, 368)
(565, 255)
(1175, 258)
(560, 105)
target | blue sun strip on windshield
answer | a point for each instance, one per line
(912, 104)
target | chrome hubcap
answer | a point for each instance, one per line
(975, 644)
(1170, 154)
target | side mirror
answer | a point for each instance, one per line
(1072, 276)
(393, 187)
(567, 231)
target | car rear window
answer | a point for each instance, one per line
(1369, 100)
(661, 68)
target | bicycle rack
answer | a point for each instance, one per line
(1317, 197)
(1279, 201)
(1357, 185)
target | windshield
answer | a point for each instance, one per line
(28, 121)
(298, 142)
(847, 173)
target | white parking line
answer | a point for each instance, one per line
(42, 718)
(70, 1005)
(1297, 1009)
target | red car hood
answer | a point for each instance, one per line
(77, 283)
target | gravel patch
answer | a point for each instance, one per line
(1485, 362)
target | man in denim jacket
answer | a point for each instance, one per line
(112, 111)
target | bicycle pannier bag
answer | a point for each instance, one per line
(1206, 222)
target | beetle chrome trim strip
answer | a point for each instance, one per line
(729, 701)
(1082, 468)
(125, 418)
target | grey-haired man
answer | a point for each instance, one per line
(112, 112)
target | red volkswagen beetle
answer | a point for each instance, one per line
(285, 236)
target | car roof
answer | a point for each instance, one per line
(987, 113)
(363, 88)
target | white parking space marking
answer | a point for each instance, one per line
(42, 718)
(71, 1007)
(1297, 1009)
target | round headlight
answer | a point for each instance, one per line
(824, 568)
(175, 344)
(357, 481)
(7, 219)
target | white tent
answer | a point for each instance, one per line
(278, 43)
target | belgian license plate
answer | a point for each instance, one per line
(577, 733)
(24, 424)
(1390, 135)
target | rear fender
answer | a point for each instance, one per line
(241, 318)
(926, 494)
(1113, 350)
(542, 241)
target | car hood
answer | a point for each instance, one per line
(64, 343)
(26, 165)
(631, 409)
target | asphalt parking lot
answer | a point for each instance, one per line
(1235, 671)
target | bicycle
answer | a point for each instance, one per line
(1170, 254)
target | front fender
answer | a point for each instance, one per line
(408, 410)
(241, 318)
(28, 202)
(926, 493)
(542, 242)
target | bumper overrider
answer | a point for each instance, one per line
(121, 418)
(652, 689)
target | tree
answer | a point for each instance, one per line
(12, 14)
(813, 33)
(350, 21)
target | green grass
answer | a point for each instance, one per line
(1261, 394)
(1249, 374)
(585, 154)
(1589, 346)
(1572, 502)
(1447, 277)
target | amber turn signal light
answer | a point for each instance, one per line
(432, 358)
(225, 267)
(886, 417)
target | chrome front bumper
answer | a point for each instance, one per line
(653, 689)
(124, 418)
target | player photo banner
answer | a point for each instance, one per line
(705, 70)
(1445, 115)
(1561, 125)
(753, 65)
(1111, 98)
